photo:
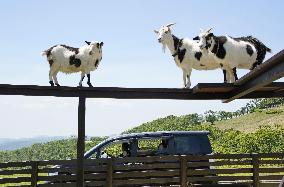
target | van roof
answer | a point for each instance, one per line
(157, 134)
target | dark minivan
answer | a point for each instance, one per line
(142, 145)
(154, 143)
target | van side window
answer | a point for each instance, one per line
(182, 145)
(163, 147)
(192, 145)
(147, 147)
(111, 150)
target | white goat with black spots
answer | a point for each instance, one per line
(68, 59)
(231, 53)
(186, 52)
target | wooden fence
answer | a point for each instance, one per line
(246, 169)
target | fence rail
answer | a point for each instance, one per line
(245, 169)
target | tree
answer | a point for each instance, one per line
(230, 115)
(210, 116)
(237, 113)
(222, 115)
(243, 110)
(195, 119)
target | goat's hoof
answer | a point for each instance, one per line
(187, 86)
(90, 85)
(51, 83)
(57, 84)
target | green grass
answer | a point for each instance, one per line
(251, 122)
(19, 175)
(15, 176)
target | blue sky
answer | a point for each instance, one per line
(132, 57)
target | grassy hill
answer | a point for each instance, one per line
(54, 150)
(252, 121)
(258, 132)
(247, 123)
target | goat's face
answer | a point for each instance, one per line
(95, 47)
(205, 39)
(163, 33)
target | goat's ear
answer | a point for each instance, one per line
(208, 30)
(102, 43)
(169, 29)
(88, 42)
(157, 32)
(196, 38)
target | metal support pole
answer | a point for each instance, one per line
(34, 174)
(255, 164)
(81, 141)
(183, 172)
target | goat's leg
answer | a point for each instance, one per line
(55, 78)
(184, 78)
(235, 73)
(89, 80)
(188, 84)
(82, 78)
(50, 77)
(230, 76)
(225, 75)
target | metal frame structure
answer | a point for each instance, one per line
(256, 84)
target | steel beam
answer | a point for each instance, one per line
(263, 75)
(81, 141)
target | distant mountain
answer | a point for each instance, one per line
(12, 144)
(3, 140)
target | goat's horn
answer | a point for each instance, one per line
(170, 24)
(209, 29)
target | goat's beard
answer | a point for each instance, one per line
(163, 47)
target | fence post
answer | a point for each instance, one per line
(34, 174)
(109, 172)
(255, 169)
(183, 171)
(81, 141)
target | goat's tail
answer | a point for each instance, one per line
(259, 45)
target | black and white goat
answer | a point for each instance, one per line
(186, 52)
(68, 59)
(232, 53)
